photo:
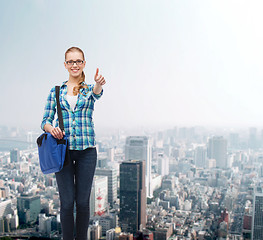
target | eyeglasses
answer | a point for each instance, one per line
(71, 62)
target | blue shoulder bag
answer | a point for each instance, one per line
(53, 153)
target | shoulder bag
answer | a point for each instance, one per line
(52, 152)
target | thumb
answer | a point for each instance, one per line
(97, 72)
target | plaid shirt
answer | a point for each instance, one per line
(78, 124)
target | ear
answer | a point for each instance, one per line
(65, 64)
(84, 64)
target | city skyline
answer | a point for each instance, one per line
(178, 62)
(197, 192)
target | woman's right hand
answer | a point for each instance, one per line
(55, 132)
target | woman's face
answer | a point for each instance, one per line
(73, 63)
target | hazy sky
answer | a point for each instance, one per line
(165, 61)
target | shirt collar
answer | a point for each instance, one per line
(63, 84)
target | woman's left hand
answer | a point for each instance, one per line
(99, 79)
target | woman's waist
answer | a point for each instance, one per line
(76, 122)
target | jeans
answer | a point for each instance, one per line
(74, 184)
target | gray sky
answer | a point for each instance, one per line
(165, 62)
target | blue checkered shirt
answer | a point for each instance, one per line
(78, 124)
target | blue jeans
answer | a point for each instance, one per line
(74, 184)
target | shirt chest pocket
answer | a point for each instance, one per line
(85, 102)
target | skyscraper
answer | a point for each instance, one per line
(163, 164)
(5, 208)
(257, 219)
(139, 148)
(132, 196)
(14, 155)
(234, 140)
(99, 195)
(28, 207)
(252, 141)
(110, 154)
(112, 182)
(200, 157)
(217, 149)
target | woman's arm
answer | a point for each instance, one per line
(48, 117)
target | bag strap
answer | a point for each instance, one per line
(61, 126)
(60, 118)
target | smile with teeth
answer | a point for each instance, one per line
(74, 70)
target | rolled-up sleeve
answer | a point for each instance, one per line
(95, 96)
(50, 109)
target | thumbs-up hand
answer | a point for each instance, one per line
(99, 79)
(99, 82)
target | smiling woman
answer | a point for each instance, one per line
(75, 68)
(75, 179)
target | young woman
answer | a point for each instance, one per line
(75, 179)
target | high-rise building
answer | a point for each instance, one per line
(200, 157)
(110, 234)
(29, 137)
(186, 133)
(139, 148)
(113, 234)
(247, 226)
(99, 195)
(28, 207)
(261, 138)
(132, 196)
(252, 141)
(110, 154)
(257, 218)
(112, 182)
(217, 149)
(14, 155)
(94, 231)
(163, 165)
(45, 223)
(5, 208)
(102, 161)
(234, 140)
(224, 217)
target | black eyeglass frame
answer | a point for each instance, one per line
(78, 62)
